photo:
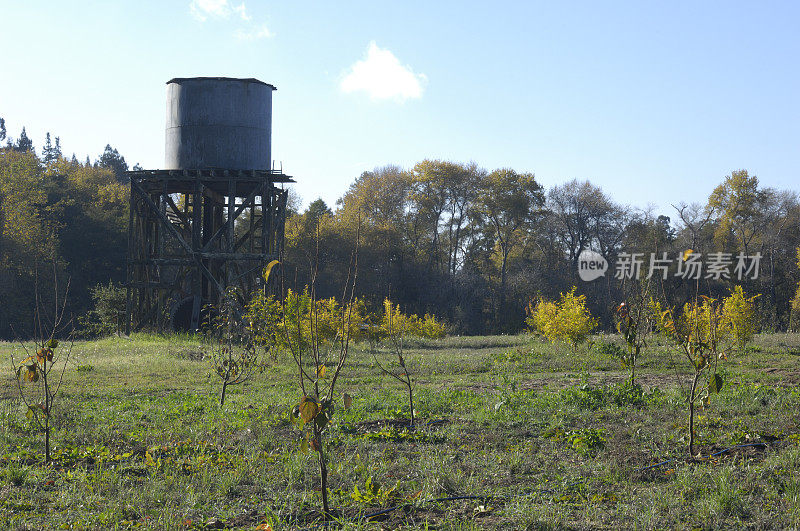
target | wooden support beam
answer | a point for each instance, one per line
(197, 243)
(230, 224)
(166, 223)
(224, 229)
(266, 226)
(164, 220)
(129, 270)
(214, 196)
(249, 236)
(161, 261)
(177, 211)
(234, 256)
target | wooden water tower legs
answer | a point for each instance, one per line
(195, 233)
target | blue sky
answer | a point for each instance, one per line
(655, 103)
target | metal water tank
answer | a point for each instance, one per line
(218, 122)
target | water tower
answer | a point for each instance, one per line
(214, 216)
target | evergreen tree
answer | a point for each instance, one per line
(88, 162)
(47, 150)
(112, 160)
(2, 129)
(74, 160)
(24, 144)
(57, 148)
(317, 209)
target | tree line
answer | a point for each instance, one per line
(471, 246)
(476, 247)
(61, 221)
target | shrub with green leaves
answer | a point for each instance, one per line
(108, 314)
(591, 397)
(372, 493)
(263, 322)
(233, 353)
(609, 349)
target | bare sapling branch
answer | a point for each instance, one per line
(53, 339)
(318, 333)
(234, 351)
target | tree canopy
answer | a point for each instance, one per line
(471, 246)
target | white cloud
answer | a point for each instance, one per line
(261, 32)
(240, 10)
(203, 9)
(382, 77)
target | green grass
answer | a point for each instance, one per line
(141, 442)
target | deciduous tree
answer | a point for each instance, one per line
(508, 204)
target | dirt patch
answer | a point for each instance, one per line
(188, 354)
(786, 377)
(433, 513)
(558, 381)
(646, 380)
(372, 425)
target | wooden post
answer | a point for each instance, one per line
(231, 219)
(129, 269)
(197, 243)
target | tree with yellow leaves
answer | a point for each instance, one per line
(794, 315)
(706, 331)
(565, 320)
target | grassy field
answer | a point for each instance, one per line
(549, 436)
